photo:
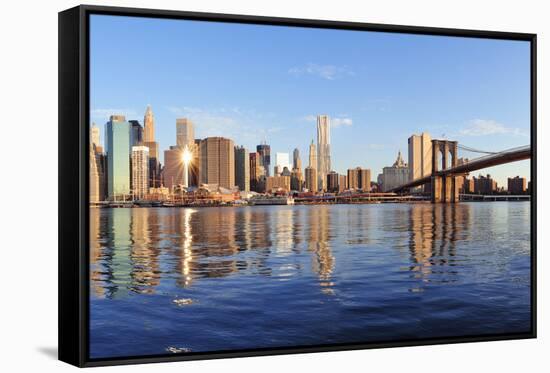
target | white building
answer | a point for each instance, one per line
(396, 175)
(323, 150)
(140, 171)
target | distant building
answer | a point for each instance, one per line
(296, 161)
(136, 133)
(468, 186)
(312, 156)
(517, 185)
(420, 158)
(396, 175)
(265, 157)
(485, 185)
(333, 180)
(217, 162)
(149, 141)
(274, 183)
(323, 150)
(94, 135)
(256, 172)
(312, 183)
(296, 179)
(140, 171)
(94, 177)
(242, 169)
(173, 167)
(281, 161)
(359, 179)
(117, 132)
(185, 133)
(342, 183)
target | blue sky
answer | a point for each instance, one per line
(251, 82)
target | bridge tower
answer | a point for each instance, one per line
(444, 187)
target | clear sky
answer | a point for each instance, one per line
(252, 82)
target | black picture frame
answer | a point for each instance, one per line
(73, 165)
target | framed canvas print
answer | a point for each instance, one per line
(233, 186)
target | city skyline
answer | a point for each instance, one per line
(369, 92)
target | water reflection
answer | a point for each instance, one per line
(132, 250)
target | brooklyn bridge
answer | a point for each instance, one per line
(446, 168)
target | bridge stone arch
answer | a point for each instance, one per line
(444, 187)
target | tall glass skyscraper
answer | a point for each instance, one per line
(117, 132)
(265, 157)
(323, 150)
(185, 134)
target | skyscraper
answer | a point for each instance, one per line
(332, 181)
(94, 177)
(217, 162)
(173, 167)
(256, 173)
(148, 125)
(136, 133)
(242, 169)
(265, 157)
(517, 185)
(323, 149)
(296, 161)
(118, 156)
(149, 141)
(281, 161)
(312, 156)
(185, 133)
(140, 171)
(420, 157)
(359, 179)
(94, 135)
(312, 182)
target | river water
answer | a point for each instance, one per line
(179, 280)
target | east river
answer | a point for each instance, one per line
(179, 280)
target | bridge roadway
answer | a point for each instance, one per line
(507, 156)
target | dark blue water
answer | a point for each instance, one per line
(208, 279)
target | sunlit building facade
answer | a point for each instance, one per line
(217, 162)
(117, 132)
(420, 158)
(359, 179)
(323, 150)
(173, 167)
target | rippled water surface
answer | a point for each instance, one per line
(184, 280)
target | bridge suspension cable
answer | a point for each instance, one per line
(474, 150)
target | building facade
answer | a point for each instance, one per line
(185, 133)
(264, 151)
(396, 175)
(217, 162)
(420, 158)
(312, 182)
(333, 180)
(242, 169)
(517, 185)
(359, 179)
(136, 133)
(276, 183)
(140, 171)
(173, 167)
(117, 133)
(484, 184)
(342, 183)
(323, 150)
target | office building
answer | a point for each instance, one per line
(342, 183)
(359, 179)
(333, 180)
(395, 175)
(277, 183)
(517, 185)
(140, 171)
(265, 157)
(296, 179)
(94, 135)
(420, 158)
(323, 150)
(148, 138)
(185, 133)
(484, 185)
(312, 182)
(242, 169)
(217, 162)
(296, 161)
(281, 161)
(117, 132)
(173, 168)
(136, 133)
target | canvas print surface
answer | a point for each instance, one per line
(259, 187)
